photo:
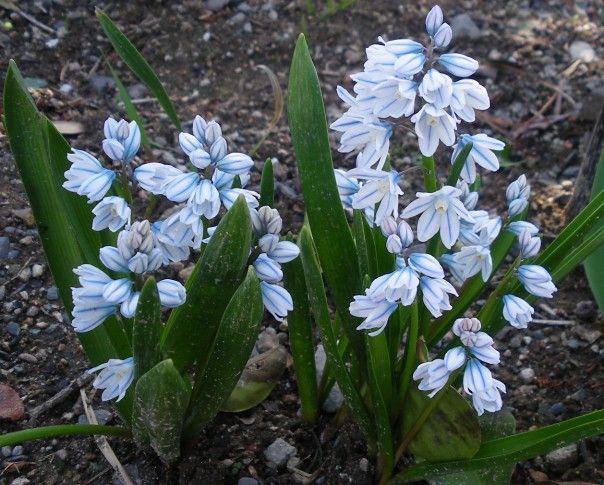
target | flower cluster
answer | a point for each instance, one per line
(143, 247)
(403, 78)
(478, 382)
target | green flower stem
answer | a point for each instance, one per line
(429, 174)
(458, 164)
(410, 356)
(62, 430)
(485, 313)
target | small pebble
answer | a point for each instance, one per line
(527, 375)
(37, 270)
(52, 293)
(563, 458)
(17, 450)
(13, 328)
(364, 464)
(6, 451)
(279, 452)
(62, 454)
(556, 409)
(28, 358)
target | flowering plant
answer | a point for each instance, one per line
(108, 259)
(408, 331)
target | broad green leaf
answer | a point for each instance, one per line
(451, 431)
(320, 311)
(595, 262)
(38, 151)
(267, 184)
(131, 110)
(161, 399)
(326, 217)
(362, 246)
(147, 328)
(259, 377)
(139, 66)
(301, 340)
(192, 327)
(498, 454)
(227, 355)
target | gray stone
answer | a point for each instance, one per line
(516, 341)
(66, 88)
(216, 5)
(582, 50)
(579, 396)
(570, 172)
(527, 375)
(37, 270)
(556, 409)
(25, 274)
(52, 293)
(13, 254)
(103, 416)
(17, 450)
(137, 91)
(62, 454)
(101, 83)
(586, 310)
(32, 311)
(247, 481)
(238, 18)
(267, 339)
(563, 458)
(25, 357)
(364, 464)
(13, 328)
(463, 27)
(335, 398)
(6, 451)
(573, 344)
(279, 452)
(52, 43)
(589, 335)
(4, 247)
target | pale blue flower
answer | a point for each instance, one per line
(375, 313)
(517, 206)
(518, 227)
(440, 211)
(442, 37)
(458, 64)
(111, 213)
(391, 97)
(468, 95)
(115, 377)
(171, 293)
(529, 245)
(455, 358)
(474, 260)
(153, 176)
(517, 311)
(536, 280)
(87, 176)
(117, 291)
(380, 188)
(436, 88)
(476, 377)
(434, 20)
(456, 268)
(283, 252)
(122, 140)
(488, 399)
(266, 220)
(399, 286)
(90, 309)
(480, 154)
(276, 299)
(432, 375)
(432, 125)
(128, 306)
(518, 189)
(435, 294)
(267, 269)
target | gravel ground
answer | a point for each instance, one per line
(542, 62)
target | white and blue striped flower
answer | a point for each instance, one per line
(468, 96)
(480, 154)
(432, 375)
(517, 311)
(435, 294)
(111, 213)
(374, 311)
(536, 280)
(380, 188)
(122, 140)
(433, 125)
(87, 176)
(276, 300)
(115, 377)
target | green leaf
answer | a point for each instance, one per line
(161, 399)
(320, 311)
(595, 262)
(460, 161)
(267, 185)
(326, 217)
(131, 110)
(301, 339)
(451, 431)
(227, 355)
(498, 454)
(147, 329)
(362, 246)
(139, 66)
(259, 377)
(191, 328)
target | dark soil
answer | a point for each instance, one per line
(542, 101)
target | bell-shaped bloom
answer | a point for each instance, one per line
(536, 280)
(375, 313)
(284, 252)
(476, 377)
(518, 227)
(154, 176)
(466, 329)
(347, 187)
(380, 188)
(480, 154)
(128, 306)
(518, 189)
(475, 259)
(391, 97)
(455, 358)
(433, 125)
(434, 20)
(267, 269)
(117, 291)
(489, 399)
(90, 307)
(277, 300)
(122, 140)
(433, 376)
(440, 211)
(517, 311)
(426, 264)
(529, 245)
(266, 220)
(87, 176)
(456, 268)
(435, 294)
(436, 88)
(111, 213)
(115, 377)
(468, 95)
(458, 64)
(517, 206)
(398, 286)
(442, 37)
(171, 293)
(394, 244)
(205, 200)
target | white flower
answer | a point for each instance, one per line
(380, 188)
(518, 189)
(171, 293)
(436, 88)
(456, 268)
(375, 313)
(435, 294)
(433, 376)
(434, 20)
(476, 377)
(87, 176)
(455, 358)
(468, 95)
(443, 36)
(440, 211)
(529, 245)
(153, 176)
(518, 227)
(122, 139)
(478, 343)
(398, 286)
(432, 125)
(112, 213)
(517, 311)
(489, 399)
(458, 64)
(276, 299)
(536, 280)
(481, 154)
(475, 259)
(267, 269)
(90, 309)
(283, 252)
(115, 377)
